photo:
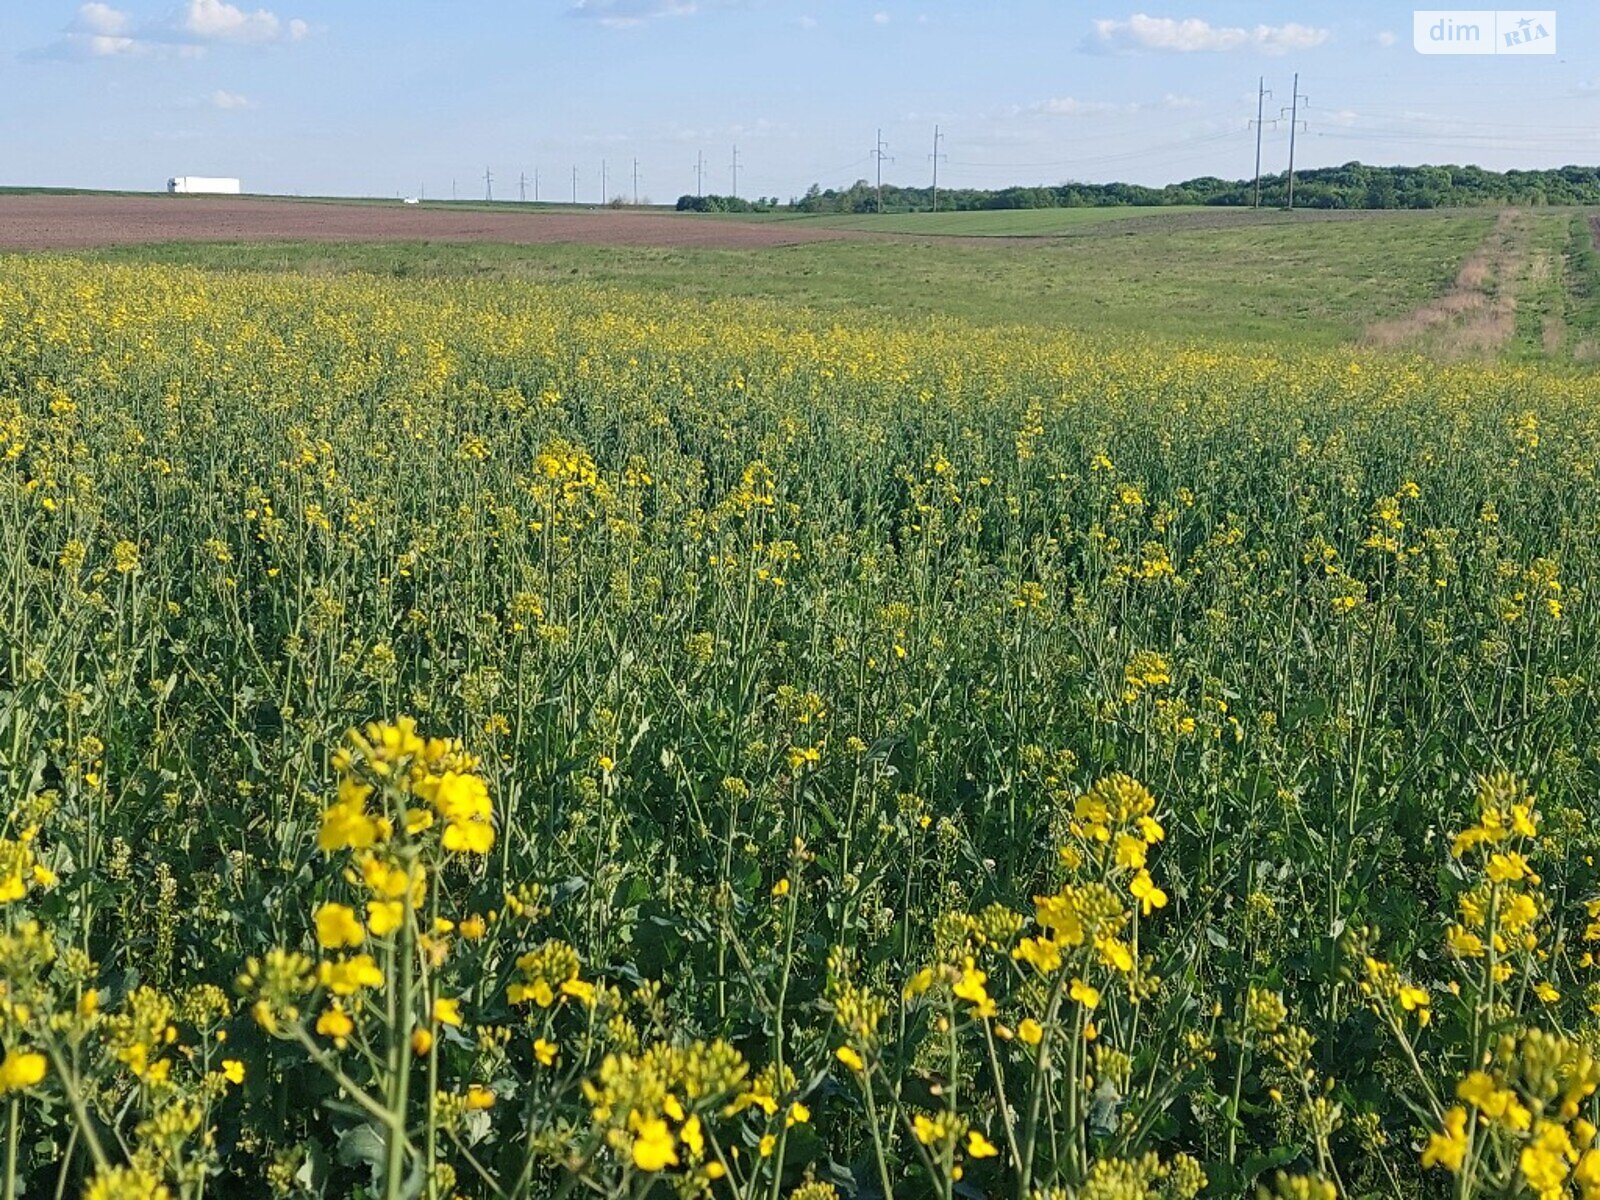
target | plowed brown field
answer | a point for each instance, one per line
(51, 222)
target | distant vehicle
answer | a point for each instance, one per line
(202, 185)
(412, 200)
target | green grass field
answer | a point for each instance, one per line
(1021, 222)
(1302, 281)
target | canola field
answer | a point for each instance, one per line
(490, 740)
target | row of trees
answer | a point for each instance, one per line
(736, 204)
(1354, 185)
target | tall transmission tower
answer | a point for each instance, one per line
(936, 156)
(522, 187)
(878, 153)
(602, 182)
(1261, 99)
(636, 183)
(699, 167)
(736, 172)
(1294, 124)
(574, 184)
(536, 185)
(488, 185)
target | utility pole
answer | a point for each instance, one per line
(936, 156)
(636, 183)
(736, 172)
(602, 183)
(878, 153)
(699, 165)
(1261, 100)
(522, 187)
(536, 185)
(452, 190)
(574, 185)
(488, 185)
(1294, 124)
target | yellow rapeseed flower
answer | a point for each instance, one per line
(335, 1023)
(979, 1146)
(1145, 891)
(1448, 1149)
(21, 1069)
(337, 927)
(348, 977)
(447, 1011)
(385, 916)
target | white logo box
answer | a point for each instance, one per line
(1484, 31)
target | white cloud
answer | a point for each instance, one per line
(806, 22)
(228, 101)
(1387, 39)
(1070, 106)
(101, 20)
(100, 30)
(101, 46)
(880, 18)
(624, 14)
(1193, 35)
(218, 21)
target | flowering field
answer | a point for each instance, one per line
(487, 740)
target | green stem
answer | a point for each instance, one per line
(13, 1129)
(1000, 1093)
(80, 1111)
(1041, 1075)
(877, 1137)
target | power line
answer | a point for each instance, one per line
(878, 153)
(1261, 99)
(1294, 124)
(1122, 156)
(1463, 140)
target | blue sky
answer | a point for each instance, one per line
(378, 97)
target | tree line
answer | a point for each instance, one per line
(1354, 185)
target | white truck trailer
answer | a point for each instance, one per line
(202, 185)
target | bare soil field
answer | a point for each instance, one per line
(46, 222)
